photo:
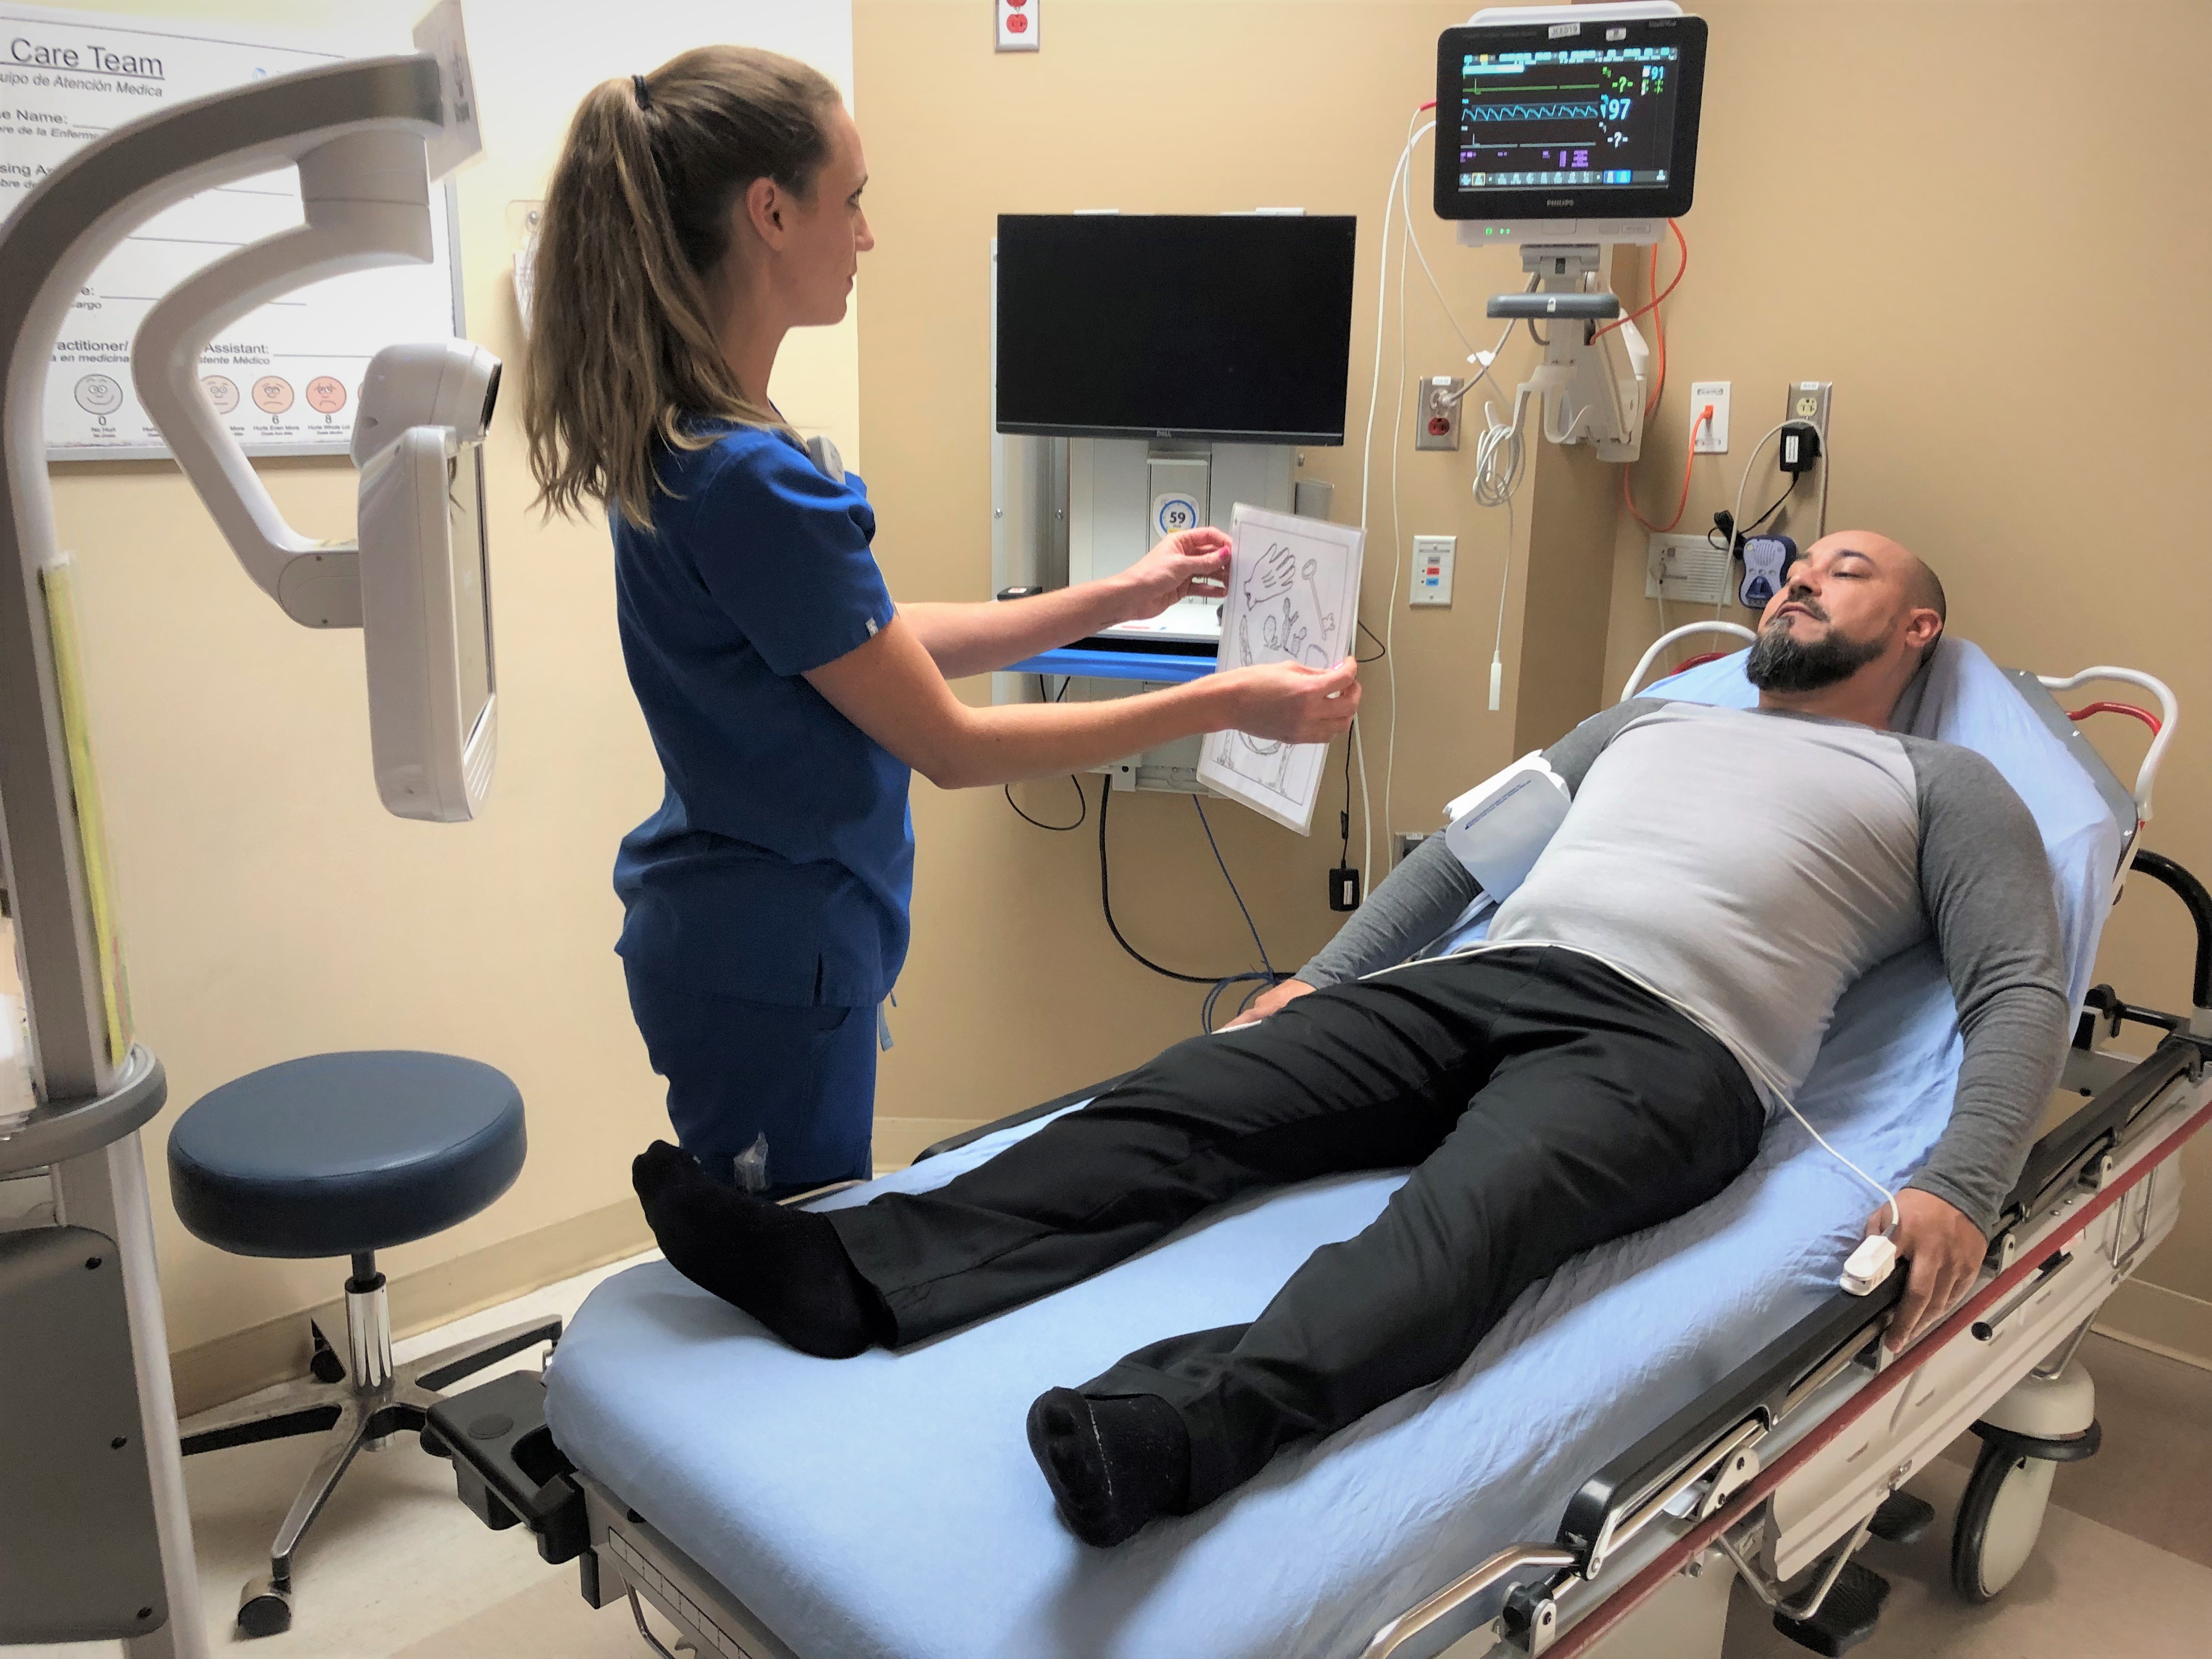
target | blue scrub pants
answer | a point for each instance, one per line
(804, 1076)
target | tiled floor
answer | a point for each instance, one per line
(2089, 1589)
(396, 1569)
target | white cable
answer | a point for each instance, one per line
(1481, 360)
(1375, 381)
(1735, 521)
(1887, 1196)
(1500, 453)
(1497, 640)
(1366, 817)
(1402, 179)
(1435, 287)
(1366, 472)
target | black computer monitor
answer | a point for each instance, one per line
(1232, 328)
(1586, 120)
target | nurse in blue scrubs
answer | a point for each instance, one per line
(697, 215)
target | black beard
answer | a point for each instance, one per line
(1778, 662)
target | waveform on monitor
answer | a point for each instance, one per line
(1585, 110)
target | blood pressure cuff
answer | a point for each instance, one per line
(1498, 828)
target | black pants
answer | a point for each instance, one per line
(1546, 1104)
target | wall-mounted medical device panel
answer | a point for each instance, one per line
(1566, 124)
(426, 617)
(1213, 327)
(1125, 496)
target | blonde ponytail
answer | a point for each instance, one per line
(622, 352)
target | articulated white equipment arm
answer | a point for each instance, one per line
(359, 131)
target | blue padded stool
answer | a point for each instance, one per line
(345, 1155)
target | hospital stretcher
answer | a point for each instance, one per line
(684, 1475)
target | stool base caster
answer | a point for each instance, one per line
(265, 1608)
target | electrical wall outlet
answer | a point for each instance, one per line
(1709, 437)
(1018, 25)
(1436, 413)
(1808, 400)
(1688, 569)
(1432, 569)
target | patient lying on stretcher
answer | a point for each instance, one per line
(1606, 1061)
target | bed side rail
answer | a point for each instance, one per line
(2056, 1161)
(2193, 895)
(1075, 1098)
(1704, 1437)
(2120, 800)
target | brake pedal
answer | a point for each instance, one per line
(1846, 1617)
(1902, 1518)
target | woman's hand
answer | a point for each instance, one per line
(1266, 1004)
(1292, 704)
(1189, 562)
(1942, 1251)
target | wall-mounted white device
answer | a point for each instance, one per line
(425, 586)
(415, 579)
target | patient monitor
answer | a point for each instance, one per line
(1565, 131)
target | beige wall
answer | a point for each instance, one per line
(270, 907)
(1015, 991)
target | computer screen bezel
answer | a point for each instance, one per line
(1668, 201)
(1328, 438)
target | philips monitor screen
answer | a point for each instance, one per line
(1236, 328)
(1569, 121)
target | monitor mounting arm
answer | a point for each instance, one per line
(366, 195)
(1592, 382)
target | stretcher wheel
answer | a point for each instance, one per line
(1999, 1518)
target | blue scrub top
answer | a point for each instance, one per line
(779, 867)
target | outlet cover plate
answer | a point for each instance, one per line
(1808, 400)
(1695, 572)
(1709, 437)
(1436, 413)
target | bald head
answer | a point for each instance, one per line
(1926, 588)
(1897, 566)
(1855, 618)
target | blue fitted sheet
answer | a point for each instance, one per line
(888, 1506)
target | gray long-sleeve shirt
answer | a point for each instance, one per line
(1748, 865)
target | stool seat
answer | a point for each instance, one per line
(336, 1154)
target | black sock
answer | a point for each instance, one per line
(1112, 1464)
(785, 1267)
